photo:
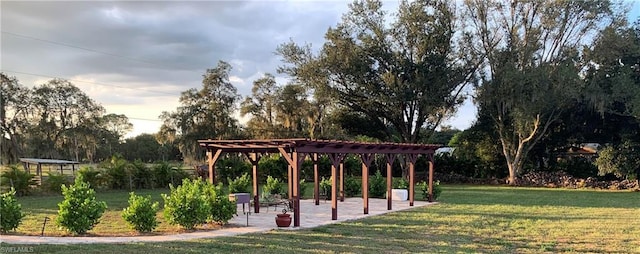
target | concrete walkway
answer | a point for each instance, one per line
(310, 216)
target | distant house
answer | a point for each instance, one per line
(585, 150)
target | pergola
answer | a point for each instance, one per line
(296, 150)
(39, 162)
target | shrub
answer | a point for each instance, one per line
(377, 185)
(142, 175)
(272, 186)
(577, 167)
(400, 183)
(437, 190)
(273, 165)
(165, 174)
(196, 202)
(221, 208)
(118, 172)
(352, 186)
(54, 182)
(186, 205)
(10, 211)
(303, 187)
(91, 176)
(325, 187)
(21, 181)
(622, 160)
(240, 184)
(141, 213)
(79, 212)
(423, 187)
(232, 166)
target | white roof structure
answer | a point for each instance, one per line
(48, 161)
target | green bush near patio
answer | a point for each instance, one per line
(79, 211)
(141, 213)
(10, 211)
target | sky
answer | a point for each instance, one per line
(135, 58)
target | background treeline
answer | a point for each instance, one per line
(545, 75)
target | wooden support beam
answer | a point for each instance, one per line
(366, 158)
(342, 180)
(431, 165)
(212, 158)
(316, 179)
(335, 158)
(290, 181)
(334, 198)
(390, 159)
(412, 171)
(254, 158)
(296, 188)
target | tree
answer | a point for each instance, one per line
(291, 110)
(118, 124)
(144, 147)
(60, 109)
(15, 104)
(261, 105)
(614, 75)
(531, 50)
(205, 113)
(621, 160)
(406, 74)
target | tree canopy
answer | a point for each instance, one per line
(405, 73)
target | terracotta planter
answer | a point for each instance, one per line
(283, 220)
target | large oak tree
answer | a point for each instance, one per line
(532, 51)
(405, 74)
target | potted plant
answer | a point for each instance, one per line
(283, 219)
(399, 191)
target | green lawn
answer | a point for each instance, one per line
(468, 219)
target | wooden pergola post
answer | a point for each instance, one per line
(254, 158)
(212, 158)
(342, 181)
(366, 158)
(316, 179)
(390, 159)
(335, 158)
(294, 159)
(431, 162)
(296, 187)
(412, 171)
(290, 181)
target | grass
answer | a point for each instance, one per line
(485, 219)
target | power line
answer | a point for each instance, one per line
(90, 82)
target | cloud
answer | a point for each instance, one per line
(135, 57)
